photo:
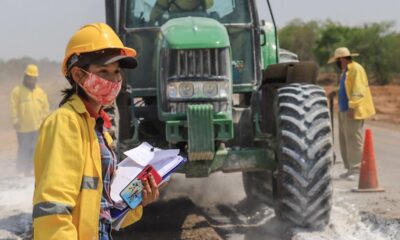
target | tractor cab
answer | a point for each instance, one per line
(211, 28)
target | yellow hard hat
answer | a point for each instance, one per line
(32, 70)
(92, 38)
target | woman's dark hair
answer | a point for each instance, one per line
(68, 92)
(75, 88)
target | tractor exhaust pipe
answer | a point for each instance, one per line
(275, 30)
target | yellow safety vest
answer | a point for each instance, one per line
(68, 176)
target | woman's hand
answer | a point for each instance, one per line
(150, 192)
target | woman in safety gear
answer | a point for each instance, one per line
(74, 163)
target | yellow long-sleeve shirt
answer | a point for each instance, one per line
(68, 177)
(358, 92)
(28, 108)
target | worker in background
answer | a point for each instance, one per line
(355, 105)
(178, 6)
(29, 107)
(74, 164)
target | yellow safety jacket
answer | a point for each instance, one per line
(28, 108)
(68, 176)
(358, 91)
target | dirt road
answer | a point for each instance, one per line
(216, 208)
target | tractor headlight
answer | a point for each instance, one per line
(210, 89)
(198, 90)
(186, 90)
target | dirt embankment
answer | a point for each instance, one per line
(387, 103)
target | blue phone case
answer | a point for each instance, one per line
(132, 193)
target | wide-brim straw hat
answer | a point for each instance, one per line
(340, 53)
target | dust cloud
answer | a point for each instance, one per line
(347, 223)
(16, 190)
(218, 188)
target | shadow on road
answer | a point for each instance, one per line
(181, 219)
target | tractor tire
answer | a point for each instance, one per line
(304, 152)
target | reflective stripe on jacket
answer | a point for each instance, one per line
(68, 185)
(28, 108)
(358, 91)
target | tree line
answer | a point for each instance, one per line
(377, 43)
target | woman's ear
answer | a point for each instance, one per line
(77, 75)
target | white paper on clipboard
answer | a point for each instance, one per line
(145, 153)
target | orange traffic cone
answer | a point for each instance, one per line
(368, 181)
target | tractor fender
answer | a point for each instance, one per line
(290, 72)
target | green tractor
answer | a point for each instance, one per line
(213, 82)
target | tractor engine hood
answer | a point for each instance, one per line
(194, 33)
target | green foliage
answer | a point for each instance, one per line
(377, 43)
(299, 37)
(331, 36)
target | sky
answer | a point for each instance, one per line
(42, 28)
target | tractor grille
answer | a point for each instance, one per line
(198, 63)
(191, 65)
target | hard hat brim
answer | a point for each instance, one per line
(31, 75)
(125, 57)
(124, 61)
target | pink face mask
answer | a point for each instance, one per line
(101, 90)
